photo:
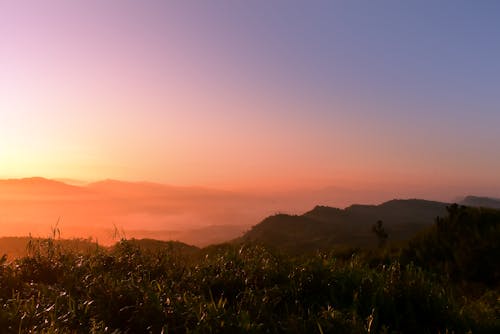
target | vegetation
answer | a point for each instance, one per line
(427, 286)
(379, 230)
(465, 245)
(326, 228)
(17, 247)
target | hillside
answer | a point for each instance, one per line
(324, 227)
(194, 215)
(485, 202)
(443, 281)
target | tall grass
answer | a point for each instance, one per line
(226, 289)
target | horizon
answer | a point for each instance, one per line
(112, 209)
(445, 197)
(244, 109)
(108, 209)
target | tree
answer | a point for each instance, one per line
(379, 230)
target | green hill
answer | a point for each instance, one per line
(326, 227)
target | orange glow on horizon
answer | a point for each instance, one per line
(280, 112)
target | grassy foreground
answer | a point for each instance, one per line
(237, 288)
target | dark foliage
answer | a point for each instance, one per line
(465, 245)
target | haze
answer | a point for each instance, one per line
(242, 108)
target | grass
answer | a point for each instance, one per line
(228, 289)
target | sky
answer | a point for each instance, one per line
(276, 94)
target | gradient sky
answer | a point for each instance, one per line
(254, 93)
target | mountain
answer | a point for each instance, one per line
(486, 202)
(195, 215)
(324, 227)
(37, 186)
(140, 209)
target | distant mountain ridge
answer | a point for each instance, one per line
(325, 227)
(37, 185)
(199, 215)
(204, 216)
(477, 201)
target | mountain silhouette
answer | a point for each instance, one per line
(326, 227)
(37, 186)
(141, 209)
(486, 202)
